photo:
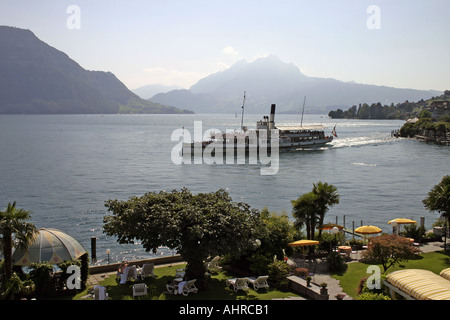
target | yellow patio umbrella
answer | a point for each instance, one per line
(303, 243)
(402, 221)
(368, 230)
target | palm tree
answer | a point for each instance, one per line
(304, 212)
(439, 199)
(326, 196)
(310, 208)
(13, 225)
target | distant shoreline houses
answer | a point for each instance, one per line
(436, 107)
(439, 108)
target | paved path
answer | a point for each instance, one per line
(94, 279)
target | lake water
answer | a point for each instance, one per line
(64, 167)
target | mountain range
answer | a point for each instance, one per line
(148, 91)
(269, 80)
(36, 78)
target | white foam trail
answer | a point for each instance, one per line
(360, 141)
(364, 164)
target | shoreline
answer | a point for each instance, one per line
(105, 268)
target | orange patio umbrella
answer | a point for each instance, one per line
(329, 226)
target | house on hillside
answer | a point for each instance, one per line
(439, 108)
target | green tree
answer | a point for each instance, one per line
(276, 231)
(13, 227)
(425, 114)
(441, 130)
(439, 199)
(197, 226)
(408, 130)
(363, 112)
(310, 208)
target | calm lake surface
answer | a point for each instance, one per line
(64, 167)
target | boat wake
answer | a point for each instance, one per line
(362, 164)
(361, 141)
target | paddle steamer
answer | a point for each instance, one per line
(288, 137)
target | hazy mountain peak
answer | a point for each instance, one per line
(268, 80)
(264, 71)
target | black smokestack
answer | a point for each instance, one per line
(272, 117)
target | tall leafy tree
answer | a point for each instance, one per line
(439, 199)
(197, 226)
(13, 227)
(276, 230)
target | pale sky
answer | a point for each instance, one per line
(398, 43)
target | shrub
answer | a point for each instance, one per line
(412, 231)
(372, 296)
(40, 274)
(336, 262)
(301, 272)
(329, 240)
(62, 281)
(259, 263)
(357, 244)
(362, 286)
(14, 288)
(278, 273)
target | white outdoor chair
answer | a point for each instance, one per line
(259, 282)
(147, 270)
(139, 289)
(213, 265)
(172, 288)
(238, 284)
(100, 293)
(189, 287)
(129, 273)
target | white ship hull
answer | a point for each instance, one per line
(289, 137)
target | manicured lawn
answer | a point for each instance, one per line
(217, 289)
(433, 261)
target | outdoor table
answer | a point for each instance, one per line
(345, 249)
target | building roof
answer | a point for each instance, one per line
(414, 120)
(296, 128)
(420, 284)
